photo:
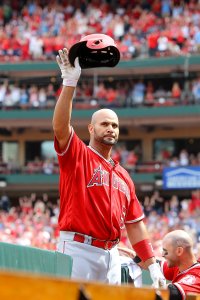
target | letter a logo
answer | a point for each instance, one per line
(97, 177)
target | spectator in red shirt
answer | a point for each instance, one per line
(149, 97)
(176, 90)
(131, 161)
(195, 201)
(152, 41)
(100, 91)
(111, 95)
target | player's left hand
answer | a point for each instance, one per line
(157, 276)
(69, 73)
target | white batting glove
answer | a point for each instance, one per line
(69, 73)
(157, 276)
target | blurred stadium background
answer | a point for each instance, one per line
(155, 89)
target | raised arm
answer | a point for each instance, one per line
(63, 108)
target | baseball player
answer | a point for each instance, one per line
(97, 196)
(180, 265)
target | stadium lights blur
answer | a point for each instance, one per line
(159, 182)
(3, 183)
(146, 188)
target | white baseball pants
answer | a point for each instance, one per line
(91, 263)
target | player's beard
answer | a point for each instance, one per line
(105, 139)
(171, 263)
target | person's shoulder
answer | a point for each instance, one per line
(197, 265)
(75, 143)
(123, 171)
(125, 175)
(76, 138)
(119, 166)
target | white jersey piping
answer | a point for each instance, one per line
(68, 144)
(98, 154)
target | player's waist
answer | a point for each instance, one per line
(86, 239)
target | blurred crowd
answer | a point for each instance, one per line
(33, 220)
(115, 93)
(131, 160)
(167, 214)
(36, 30)
(38, 165)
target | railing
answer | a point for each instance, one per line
(34, 260)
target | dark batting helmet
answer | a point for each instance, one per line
(94, 51)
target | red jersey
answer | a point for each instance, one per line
(187, 281)
(96, 198)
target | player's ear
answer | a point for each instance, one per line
(90, 128)
(179, 251)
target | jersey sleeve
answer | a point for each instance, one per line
(135, 211)
(68, 158)
(188, 282)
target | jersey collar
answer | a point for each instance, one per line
(107, 160)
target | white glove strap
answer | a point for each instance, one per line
(70, 82)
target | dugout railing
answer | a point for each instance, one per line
(29, 261)
(34, 260)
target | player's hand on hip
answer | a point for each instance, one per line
(69, 73)
(157, 276)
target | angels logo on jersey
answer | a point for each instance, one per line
(101, 177)
(188, 279)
